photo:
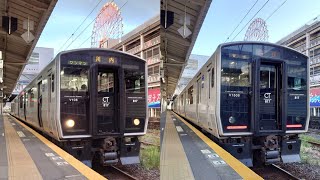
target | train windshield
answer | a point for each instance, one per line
(74, 92)
(236, 85)
(297, 76)
(135, 81)
(297, 94)
(236, 73)
(74, 79)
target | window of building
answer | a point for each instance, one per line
(34, 58)
(190, 95)
(153, 70)
(156, 51)
(156, 69)
(150, 71)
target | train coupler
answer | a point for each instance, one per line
(271, 156)
(110, 158)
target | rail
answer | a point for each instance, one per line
(274, 172)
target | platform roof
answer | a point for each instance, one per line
(15, 50)
(175, 49)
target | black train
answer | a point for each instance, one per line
(92, 102)
(253, 98)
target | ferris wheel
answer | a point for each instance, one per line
(108, 26)
(257, 31)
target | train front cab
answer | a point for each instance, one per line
(263, 102)
(103, 97)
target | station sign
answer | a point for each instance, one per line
(108, 60)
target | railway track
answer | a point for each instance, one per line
(271, 172)
(114, 173)
(314, 143)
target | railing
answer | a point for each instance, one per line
(151, 42)
(154, 78)
(315, 59)
(134, 50)
(301, 47)
(315, 42)
(153, 59)
(315, 80)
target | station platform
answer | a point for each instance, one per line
(188, 154)
(25, 154)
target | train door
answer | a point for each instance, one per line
(40, 104)
(24, 106)
(209, 94)
(104, 99)
(198, 108)
(49, 102)
(271, 98)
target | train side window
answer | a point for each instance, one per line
(190, 94)
(182, 100)
(31, 98)
(212, 77)
(52, 83)
(21, 101)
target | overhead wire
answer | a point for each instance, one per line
(276, 10)
(101, 25)
(250, 19)
(85, 29)
(79, 26)
(241, 20)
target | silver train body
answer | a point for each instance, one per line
(253, 99)
(91, 102)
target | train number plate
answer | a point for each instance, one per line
(234, 95)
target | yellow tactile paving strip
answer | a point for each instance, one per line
(20, 163)
(173, 163)
(82, 168)
(234, 163)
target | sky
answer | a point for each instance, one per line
(68, 15)
(224, 15)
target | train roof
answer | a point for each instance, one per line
(235, 43)
(99, 49)
(258, 42)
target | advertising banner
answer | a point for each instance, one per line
(314, 97)
(154, 98)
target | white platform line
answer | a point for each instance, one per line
(179, 129)
(21, 134)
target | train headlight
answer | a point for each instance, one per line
(136, 122)
(232, 119)
(70, 123)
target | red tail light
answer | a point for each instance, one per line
(236, 127)
(294, 125)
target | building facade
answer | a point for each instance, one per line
(307, 41)
(39, 59)
(144, 41)
(194, 64)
